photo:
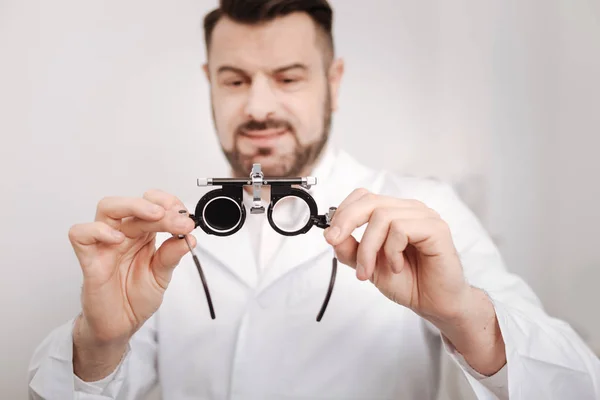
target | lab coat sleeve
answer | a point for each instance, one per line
(546, 359)
(51, 369)
(485, 387)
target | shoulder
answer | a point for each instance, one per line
(435, 193)
(430, 190)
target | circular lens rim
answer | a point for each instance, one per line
(211, 226)
(308, 222)
(292, 192)
(206, 199)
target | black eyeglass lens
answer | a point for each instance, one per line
(222, 214)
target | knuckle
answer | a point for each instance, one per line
(370, 196)
(360, 191)
(162, 198)
(140, 204)
(442, 226)
(104, 201)
(416, 203)
(176, 202)
(434, 213)
(151, 193)
(396, 226)
(73, 232)
(389, 247)
(99, 227)
(380, 215)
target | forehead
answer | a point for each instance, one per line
(282, 41)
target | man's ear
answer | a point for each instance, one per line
(336, 71)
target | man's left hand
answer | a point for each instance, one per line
(408, 253)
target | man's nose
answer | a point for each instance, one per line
(262, 101)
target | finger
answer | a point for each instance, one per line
(358, 213)
(353, 215)
(346, 252)
(112, 209)
(371, 241)
(94, 232)
(173, 222)
(394, 248)
(352, 197)
(430, 236)
(376, 235)
(167, 257)
(164, 199)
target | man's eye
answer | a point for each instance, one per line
(235, 83)
(289, 80)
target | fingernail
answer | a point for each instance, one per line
(334, 233)
(117, 235)
(156, 209)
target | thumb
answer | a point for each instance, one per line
(346, 251)
(168, 256)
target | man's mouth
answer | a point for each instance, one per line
(263, 135)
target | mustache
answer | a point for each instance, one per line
(254, 125)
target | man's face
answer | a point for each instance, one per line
(272, 93)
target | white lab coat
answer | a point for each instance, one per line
(265, 342)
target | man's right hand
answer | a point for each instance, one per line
(124, 275)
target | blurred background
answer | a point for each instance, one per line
(500, 98)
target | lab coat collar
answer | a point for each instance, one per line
(296, 251)
(234, 253)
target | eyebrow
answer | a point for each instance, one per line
(289, 67)
(229, 68)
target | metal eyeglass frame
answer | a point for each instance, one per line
(221, 212)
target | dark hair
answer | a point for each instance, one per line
(258, 11)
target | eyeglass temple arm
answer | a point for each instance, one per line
(211, 308)
(334, 263)
(323, 222)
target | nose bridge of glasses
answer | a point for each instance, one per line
(257, 181)
(215, 211)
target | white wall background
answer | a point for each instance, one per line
(107, 98)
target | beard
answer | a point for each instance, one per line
(281, 165)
